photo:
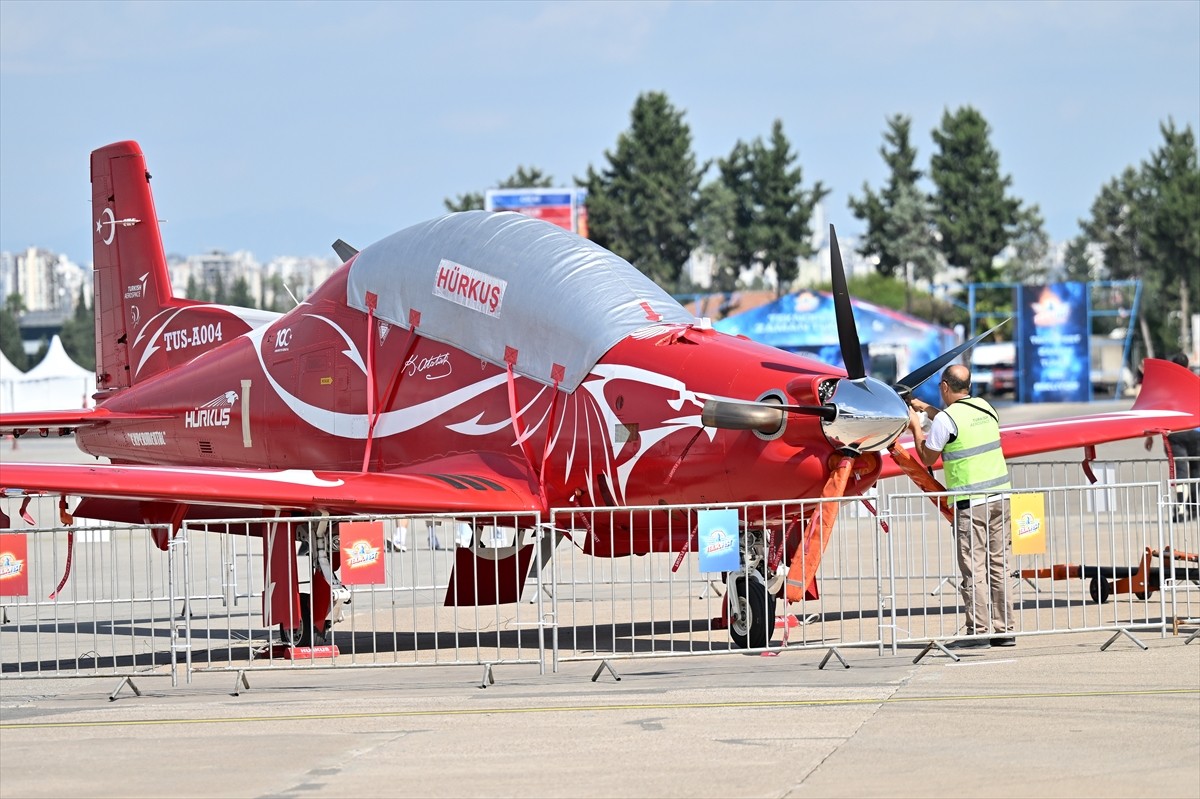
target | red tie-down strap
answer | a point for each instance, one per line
(67, 568)
(414, 321)
(921, 476)
(557, 373)
(801, 579)
(510, 360)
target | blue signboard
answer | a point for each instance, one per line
(1052, 337)
(720, 550)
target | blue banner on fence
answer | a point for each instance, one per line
(719, 547)
(1055, 358)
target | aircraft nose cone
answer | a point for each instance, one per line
(870, 415)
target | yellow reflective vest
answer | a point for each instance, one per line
(973, 461)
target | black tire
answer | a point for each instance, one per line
(759, 607)
(1099, 590)
(305, 635)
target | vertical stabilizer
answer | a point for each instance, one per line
(131, 281)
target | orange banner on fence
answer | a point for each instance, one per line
(362, 553)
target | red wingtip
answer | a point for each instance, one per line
(1169, 386)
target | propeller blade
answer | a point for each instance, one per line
(910, 381)
(852, 355)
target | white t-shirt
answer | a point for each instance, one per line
(940, 433)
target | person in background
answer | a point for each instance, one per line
(1185, 452)
(966, 436)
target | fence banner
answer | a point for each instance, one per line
(1029, 524)
(718, 530)
(14, 565)
(362, 553)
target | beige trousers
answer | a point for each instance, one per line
(983, 542)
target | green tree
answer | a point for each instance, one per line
(78, 333)
(219, 295)
(15, 304)
(773, 211)
(240, 295)
(523, 178)
(1116, 226)
(894, 293)
(974, 216)
(275, 295)
(1172, 219)
(910, 240)
(715, 225)
(10, 340)
(877, 209)
(1030, 261)
(1146, 224)
(643, 204)
(1078, 260)
(736, 174)
(197, 290)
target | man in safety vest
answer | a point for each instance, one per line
(966, 436)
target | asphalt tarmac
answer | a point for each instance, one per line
(1054, 716)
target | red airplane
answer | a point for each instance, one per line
(478, 362)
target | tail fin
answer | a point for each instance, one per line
(142, 328)
(131, 281)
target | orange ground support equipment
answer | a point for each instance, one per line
(1104, 581)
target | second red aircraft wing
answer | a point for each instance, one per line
(1169, 400)
(440, 487)
(67, 419)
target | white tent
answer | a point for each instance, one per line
(10, 376)
(57, 383)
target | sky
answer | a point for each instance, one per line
(278, 127)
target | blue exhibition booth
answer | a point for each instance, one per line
(894, 343)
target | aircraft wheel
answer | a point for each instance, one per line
(1099, 590)
(751, 626)
(305, 635)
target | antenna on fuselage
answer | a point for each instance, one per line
(344, 250)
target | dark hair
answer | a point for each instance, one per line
(1179, 358)
(958, 384)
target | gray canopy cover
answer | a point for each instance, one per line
(493, 283)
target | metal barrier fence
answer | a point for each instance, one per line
(433, 602)
(1096, 539)
(482, 589)
(663, 603)
(97, 601)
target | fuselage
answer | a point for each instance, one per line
(310, 390)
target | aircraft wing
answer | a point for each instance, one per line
(458, 484)
(1169, 400)
(67, 420)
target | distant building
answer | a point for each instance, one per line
(47, 281)
(48, 285)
